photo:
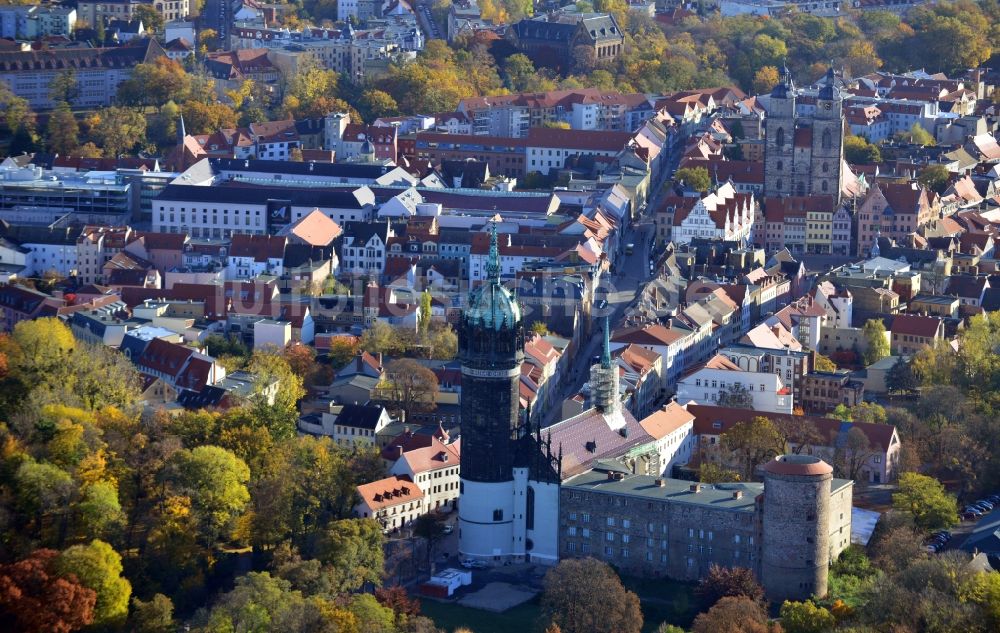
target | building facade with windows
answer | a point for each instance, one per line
(785, 529)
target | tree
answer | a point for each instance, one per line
(153, 616)
(100, 512)
(151, 18)
(41, 489)
(207, 117)
(901, 378)
(260, 602)
(155, 83)
(312, 92)
(374, 617)
(858, 151)
(518, 72)
(765, 79)
(925, 499)
(851, 457)
(424, 316)
(276, 393)
(568, 599)
(43, 346)
(935, 178)
(62, 130)
(99, 567)
(376, 103)
(215, 482)
(721, 582)
(431, 529)
(408, 387)
(342, 350)
(876, 343)
(916, 135)
(806, 617)
(539, 328)
(666, 627)
(397, 599)
(695, 178)
(709, 473)
(353, 547)
(753, 442)
(118, 130)
(64, 87)
(734, 615)
(35, 598)
(823, 363)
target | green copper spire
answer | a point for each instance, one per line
(606, 353)
(493, 263)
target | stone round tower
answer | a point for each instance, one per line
(795, 531)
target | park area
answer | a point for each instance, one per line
(661, 601)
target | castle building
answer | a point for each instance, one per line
(590, 485)
(804, 155)
(786, 529)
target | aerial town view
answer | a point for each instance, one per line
(500, 316)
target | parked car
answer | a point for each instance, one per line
(969, 516)
(448, 529)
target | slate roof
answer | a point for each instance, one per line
(256, 195)
(360, 416)
(143, 50)
(587, 438)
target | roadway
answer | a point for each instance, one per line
(426, 22)
(620, 289)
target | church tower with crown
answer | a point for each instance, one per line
(491, 350)
(804, 142)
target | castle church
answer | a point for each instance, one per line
(804, 154)
(510, 472)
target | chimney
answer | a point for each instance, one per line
(611, 476)
(398, 451)
(695, 488)
(659, 483)
(737, 494)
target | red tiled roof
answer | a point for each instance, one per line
(711, 420)
(260, 247)
(388, 492)
(915, 325)
(668, 419)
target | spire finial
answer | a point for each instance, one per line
(606, 352)
(493, 264)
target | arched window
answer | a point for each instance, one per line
(827, 140)
(778, 184)
(781, 165)
(779, 138)
(824, 186)
(826, 167)
(529, 512)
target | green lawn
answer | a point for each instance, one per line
(662, 601)
(450, 616)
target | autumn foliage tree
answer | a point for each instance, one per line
(721, 582)
(36, 598)
(735, 615)
(569, 599)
